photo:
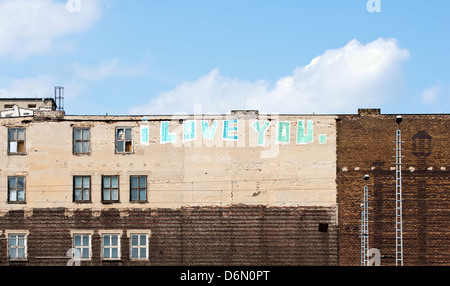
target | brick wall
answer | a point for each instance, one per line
(237, 235)
(365, 145)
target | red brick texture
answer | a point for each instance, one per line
(232, 236)
(365, 145)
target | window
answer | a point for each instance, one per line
(110, 189)
(16, 141)
(124, 140)
(82, 243)
(31, 105)
(17, 246)
(110, 246)
(16, 189)
(81, 189)
(138, 188)
(81, 140)
(138, 246)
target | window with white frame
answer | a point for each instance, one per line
(82, 243)
(111, 246)
(17, 246)
(139, 246)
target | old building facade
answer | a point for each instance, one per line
(237, 189)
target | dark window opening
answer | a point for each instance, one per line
(323, 227)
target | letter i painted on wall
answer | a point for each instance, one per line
(189, 130)
(144, 135)
(208, 133)
(305, 135)
(166, 136)
(261, 131)
(229, 131)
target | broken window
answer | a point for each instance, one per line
(124, 140)
(111, 246)
(17, 246)
(110, 189)
(81, 189)
(16, 140)
(138, 188)
(16, 189)
(81, 140)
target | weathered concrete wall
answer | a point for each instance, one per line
(365, 145)
(212, 200)
(201, 172)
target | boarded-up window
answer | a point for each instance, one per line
(16, 140)
(81, 141)
(124, 140)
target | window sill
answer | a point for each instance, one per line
(18, 260)
(110, 202)
(112, 260)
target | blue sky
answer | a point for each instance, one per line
(166, 57)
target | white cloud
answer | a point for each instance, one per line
(338, 81)
(106, 70)
(40, 86)
(432, 94)
(75, 84)
(31, 27)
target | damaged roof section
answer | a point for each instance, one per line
(23, 107)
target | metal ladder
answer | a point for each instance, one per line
(365, 228)
(398, 201)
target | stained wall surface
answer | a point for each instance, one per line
(231, 189)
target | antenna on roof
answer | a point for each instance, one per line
(59, 98)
